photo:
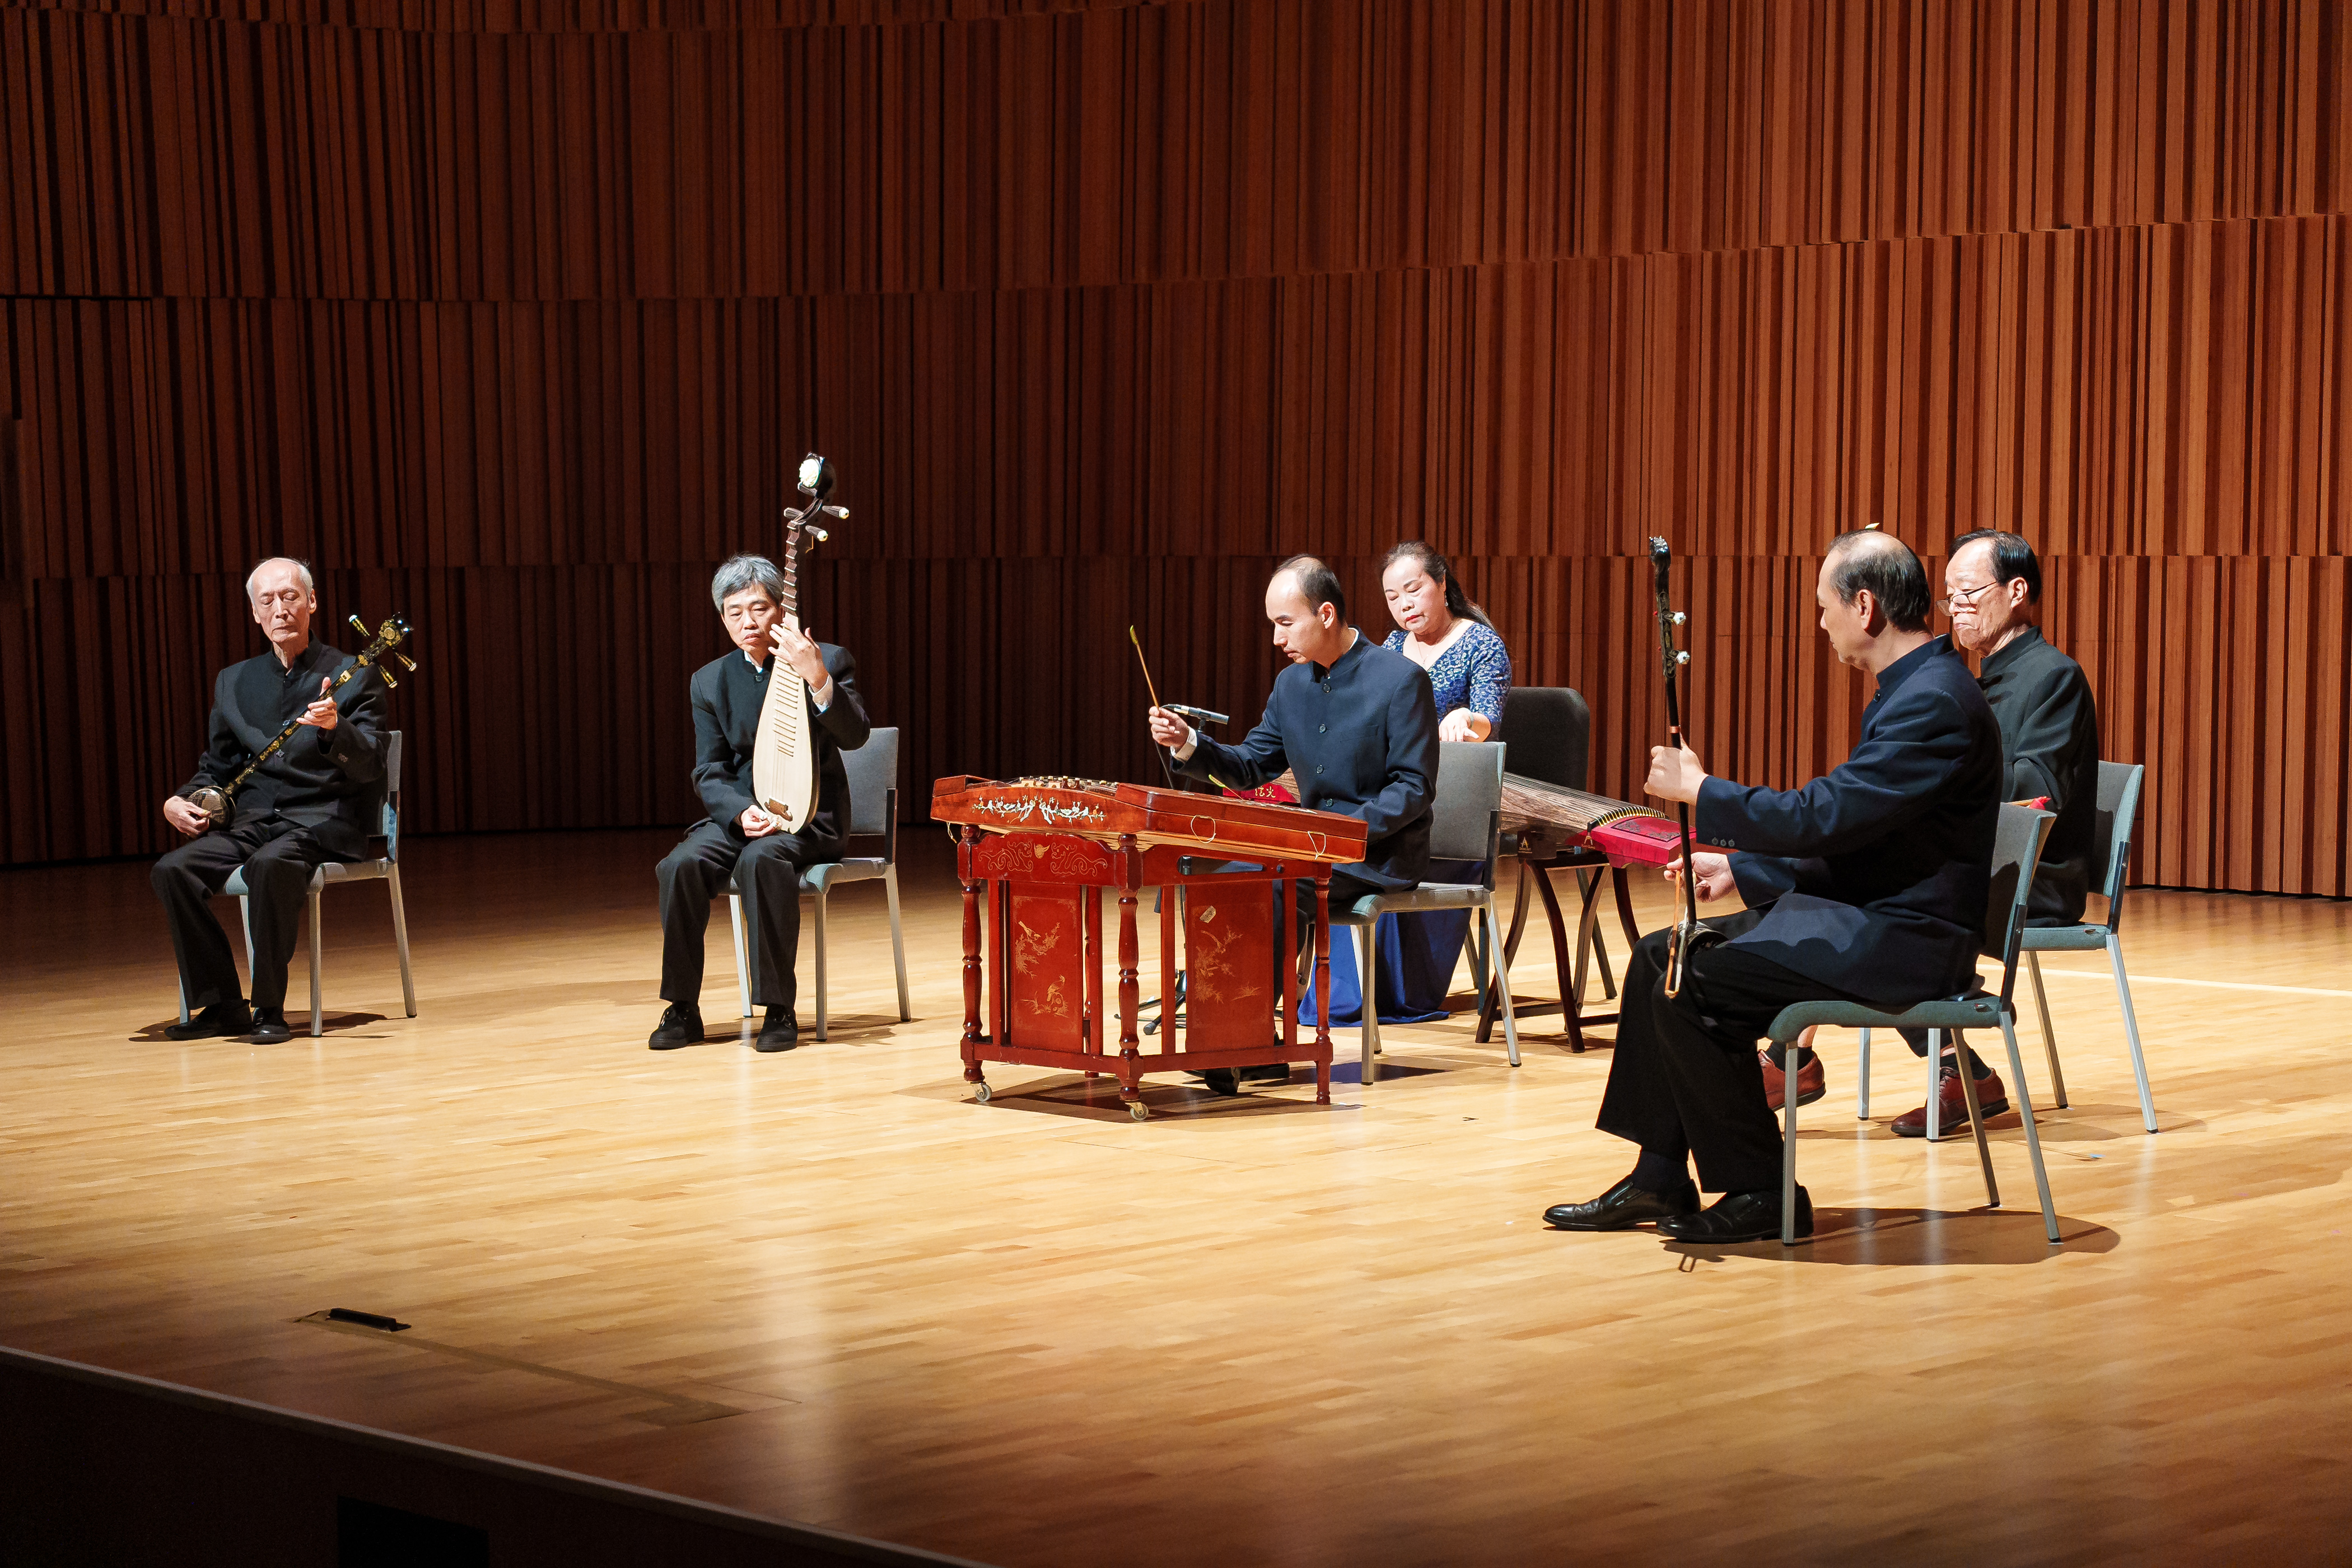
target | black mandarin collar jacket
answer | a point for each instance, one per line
(1361, 736)
(1874, 877)
(727, 694)
(325, 780)
(2050, 746)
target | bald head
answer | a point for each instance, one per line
(283, 600)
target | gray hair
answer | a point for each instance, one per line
(738, 573)
(302, 570)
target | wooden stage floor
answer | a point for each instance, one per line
(827, 1286)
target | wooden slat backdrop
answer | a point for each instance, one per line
(514, 313)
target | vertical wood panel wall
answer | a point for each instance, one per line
(513, 314)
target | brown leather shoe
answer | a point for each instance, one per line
(1811, 1082)
(1952, 1120)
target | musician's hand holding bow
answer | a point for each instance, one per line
(1674, 774)
(1168, 732)
(757, 824)
(182, 813)
(1713, 872)
(321, 713)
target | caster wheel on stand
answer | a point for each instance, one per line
(982, 1094)
(1140, 1112)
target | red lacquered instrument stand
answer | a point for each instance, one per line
(1033, 928)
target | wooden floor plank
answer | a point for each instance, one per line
(824, 1286)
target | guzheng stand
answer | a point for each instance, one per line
(1038, 861)
(1551, 828)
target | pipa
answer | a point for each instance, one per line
(784, 760)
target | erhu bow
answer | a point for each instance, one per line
(784, 760)
(1687, 934)
(219, 804)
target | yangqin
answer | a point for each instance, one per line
(1036, 857)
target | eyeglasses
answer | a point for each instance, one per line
(1965, 596)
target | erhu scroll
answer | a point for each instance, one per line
(1687, 934)
(218, 805)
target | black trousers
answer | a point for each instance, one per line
(1683, 1081)
(279, 857)
(769, 869)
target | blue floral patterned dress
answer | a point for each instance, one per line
(1417, 954)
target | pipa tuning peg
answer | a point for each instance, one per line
(1679, 618)
(816, 535)
(1682, 659)
(840, 512)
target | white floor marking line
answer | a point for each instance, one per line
(2137, 978)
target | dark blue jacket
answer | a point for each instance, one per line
(1362, 737)
(1876, 876)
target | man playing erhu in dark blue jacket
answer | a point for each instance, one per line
(1867, 885)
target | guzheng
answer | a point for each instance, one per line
(1036, 857)
(1629, 834)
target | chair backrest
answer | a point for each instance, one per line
(2016, 852)
(874, 784)
(2112, 831)
(1549, 732)
(388, 820)
(1469, 795)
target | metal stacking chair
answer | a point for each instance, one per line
(2118, 806)
(2119, 786)
(385, 869)
(1467, 824)
(1549, 732)
(873, 813)
(2016, 851)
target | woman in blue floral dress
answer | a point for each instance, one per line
(1469, 670)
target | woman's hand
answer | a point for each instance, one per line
(1462, 724)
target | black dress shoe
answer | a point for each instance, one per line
(269, 1027)
(220, 1018)
(681, 1025)
(1221, 1080)
(1739, 1216)
(1623, 1208)
(1267, 1072)
(782, 1032)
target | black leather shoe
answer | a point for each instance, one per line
(1623, 1208)
(1221, 1080)
(782, 1032)
(1739, 1216)
(269, 1027)
(1267, 1072)
(220, 1018)
(680, 1025)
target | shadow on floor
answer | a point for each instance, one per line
(1912, 1237)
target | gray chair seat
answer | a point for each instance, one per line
(2067, 939)
(859, 868)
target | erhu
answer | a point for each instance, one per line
(783, 757)
(218, 803)
(1687, 934)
